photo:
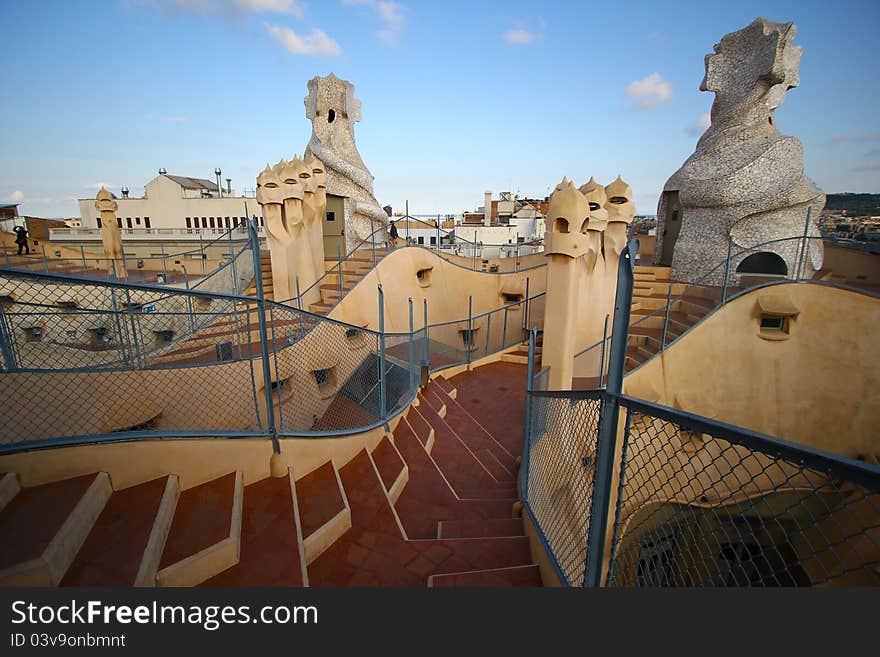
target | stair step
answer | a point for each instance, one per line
(205, 535)
(324, 511)
(42, 551)
(423, 431)
(270, 538)
(528, 575)
(480, 528)
(125, 544)
(391, 467)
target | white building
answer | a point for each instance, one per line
(181, 206)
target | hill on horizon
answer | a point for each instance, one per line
(855, 204)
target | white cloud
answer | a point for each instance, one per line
(700, 125)
(292, 7)
(316, 43)
(390, 14)
(649, 92)
(17, 196)
(521, 37)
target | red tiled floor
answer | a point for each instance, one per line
(501, 463)
(33, 517)
(203, 518)
(483, 527)
(319, 498)
(387, 462)
(269, 546)
(112, 553)
(517, 576)
(427, 498)
(457, 462)
(495, 395)
(373, 552)
(343, 413)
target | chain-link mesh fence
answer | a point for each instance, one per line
(704, 505)
(559, 466)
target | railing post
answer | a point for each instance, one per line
(339, 270)
(516, 255)
(438, 236)
(607, 435)
(372, 242)
(412, 346)
(189, 306)
(504, 329)
(231, 261)
(264, 337)
(666, 316)
(382, 390)
(123, 350)
(299, 308)
(726, 269)
(602, 356)
(470, 330)
(124, 263)
(201, 252)
(527, 307)
(6, 342)
(802, 260)
(164, 264)
(407, 222)
(530, 378)
(45, 260)
(82, 255)
(134, 334)
(426, 360)
(488, 331)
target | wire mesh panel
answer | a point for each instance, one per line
(560, 459)
(328, 376)
(704, 506)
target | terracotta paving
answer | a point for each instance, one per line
(462, 468)
(374, 553)
(33, 517)
(113, 550)
(387, 462)
(518, 576)
(428, 499)
(343, 413)
(495, 458)
(269, 546)
(319, 498)
(495, 395)
(497, 526)
(203, 517)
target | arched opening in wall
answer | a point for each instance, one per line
(331, 116)
(424, 276)
(560, 225)
(669, 226)
(765, 262)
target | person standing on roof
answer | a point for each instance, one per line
(393, 235)
(21, 238)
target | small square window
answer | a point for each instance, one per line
(331, 216)
(326, 380)
(773, 323)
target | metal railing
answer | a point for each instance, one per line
(86, 361)
(623, 492)
(165, 268)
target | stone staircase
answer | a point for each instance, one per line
(353, 270)
(651, 290)
(430, 505)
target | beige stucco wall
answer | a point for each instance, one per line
(447, 295)
(817, 388)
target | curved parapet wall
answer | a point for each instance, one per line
(809, 375)
(423, 276)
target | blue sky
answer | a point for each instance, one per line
(458, 97)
